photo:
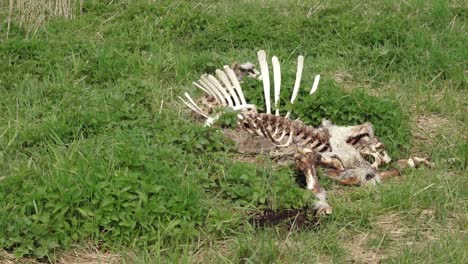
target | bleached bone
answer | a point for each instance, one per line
(203, 89)
(414, 162)
(217, 94)
(333, 143)
(193, 108)
(191, 103)
(227, 83)
(233, 78)
(306, 162)
(300, 67)
(299, 133)
(210, 80)
(315, 85)
(265, 78)
(225, 90)
(277, 80)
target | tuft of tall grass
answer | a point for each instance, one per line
(30, 15)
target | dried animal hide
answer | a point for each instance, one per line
(245, 70)
(345, 151)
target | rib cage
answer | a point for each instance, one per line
(343, 149)
(283, 131)
(226, 91)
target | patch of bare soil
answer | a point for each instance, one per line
(429, 125)
(254, 148)
(7, 258)
(72, 257)
(212, 251)
(343, 77)
(360, 253)
(392, 228)
(299, 219)
(398, 235)
(426, 128)
(247, 143)
(89, 258)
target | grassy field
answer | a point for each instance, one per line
(99, 160)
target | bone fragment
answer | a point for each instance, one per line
(244, 107)
(245, 69)
(277, 80)
(306, 163)
(207, 90)
(203, 89)
(193, 107)
(315, 85)
(227, 83)
(297, 84)
(220, 88)
(266, 79)
(414, 162)
(232, 76)
(194, 104)
(208, 86)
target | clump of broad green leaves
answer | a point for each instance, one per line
(247, 184)
(128, 186)
(228, 119)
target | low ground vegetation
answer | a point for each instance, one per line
(98, 155)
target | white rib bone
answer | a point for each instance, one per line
(315, 85)
(219, 98)
(206, 83)
(207, 91)
(220, 88)
(283, 133)
(277, 80)
(203, 89)
(266, 79)
(300, 67)
(193, 102)
(242, 107)
(291, 134)
(210, 120)
(227, 83)
(194, 107)
(232, 76)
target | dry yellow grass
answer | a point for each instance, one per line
(31, 14)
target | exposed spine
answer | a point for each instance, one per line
(292, 131)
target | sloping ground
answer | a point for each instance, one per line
(100, 162)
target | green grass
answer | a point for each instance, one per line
(96, 151)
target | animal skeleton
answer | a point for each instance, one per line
(343, 150)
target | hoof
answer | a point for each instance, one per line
(322, 209)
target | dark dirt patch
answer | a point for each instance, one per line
(300, 219)
(248, 143)
(251, 147)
